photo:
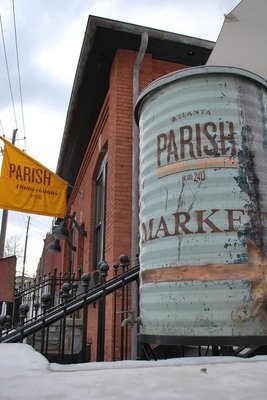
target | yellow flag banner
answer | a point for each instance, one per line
(28, 186)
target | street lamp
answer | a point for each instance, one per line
(61, 232)
(54, 247)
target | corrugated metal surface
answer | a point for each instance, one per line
(203, 203)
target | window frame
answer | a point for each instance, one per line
(100, 213)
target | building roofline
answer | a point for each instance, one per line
(102, 38)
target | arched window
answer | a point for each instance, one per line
(100, 211)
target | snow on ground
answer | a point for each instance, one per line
(25, 374)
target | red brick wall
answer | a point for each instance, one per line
(113, 132)
(119, 156)
(7, 278)
(49, 261)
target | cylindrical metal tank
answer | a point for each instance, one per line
(203, 189)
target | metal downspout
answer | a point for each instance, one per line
(135, 186)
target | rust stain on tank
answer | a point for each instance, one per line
(255, 272)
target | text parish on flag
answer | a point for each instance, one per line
(28, 186)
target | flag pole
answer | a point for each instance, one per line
(5, 214)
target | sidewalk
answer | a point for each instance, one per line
(25, 374)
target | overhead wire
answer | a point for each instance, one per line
(42, 223)
(38, 227)
(38, 231)
(1, 148)
(21, 217)
(8, 74)
(19, 75)
(2, 128)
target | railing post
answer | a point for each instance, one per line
(65, 294)
(46, 302)
(53, 286)
(36, 307)
(23, 311)
(85, 278)
(74, 288)
(2, 324)
(103, 271)
(124, 264)
(8, 322)
(115, 268)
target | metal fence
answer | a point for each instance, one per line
(33, 292)
(73, 320)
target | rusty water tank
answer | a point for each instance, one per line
(203, 208)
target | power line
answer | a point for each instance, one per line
(41, 234)
(1, 125)
(8, 74)
(20, 219)
(41, 225)
(18, 67)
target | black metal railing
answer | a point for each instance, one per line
(90, 320)
(87, 324)
(31, 292)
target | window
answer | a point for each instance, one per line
(100, 210)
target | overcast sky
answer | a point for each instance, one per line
(49, 39)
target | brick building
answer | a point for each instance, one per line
(117, 60)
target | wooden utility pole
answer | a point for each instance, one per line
(5, 215)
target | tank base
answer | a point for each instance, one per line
(204, 340)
